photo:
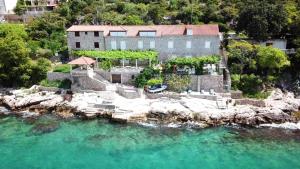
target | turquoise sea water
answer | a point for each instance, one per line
(52, 144)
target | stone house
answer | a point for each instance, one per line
(169, 40)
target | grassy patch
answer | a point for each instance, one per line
(63, 68)
(64, 84)
(259, 95)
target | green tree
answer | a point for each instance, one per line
(272, 58)
(241, 56)
(49, 30)
(20, 7)
(262, 19)
(16, 67)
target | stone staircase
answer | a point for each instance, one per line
(221, 103)
(108, 86)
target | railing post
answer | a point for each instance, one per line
(136, 63)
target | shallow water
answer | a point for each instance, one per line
(99, 144)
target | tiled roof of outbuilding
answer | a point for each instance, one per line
(161, 30)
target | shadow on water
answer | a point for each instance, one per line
(265, 134)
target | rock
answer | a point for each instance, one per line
(276, 94)
(4, 111)
(65, 111)
(246, 116)
(55, 101)
(32, 99)
(9, 101)
(274, 115)
(28, 114)
(287, 125)
(168, 106)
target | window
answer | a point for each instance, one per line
(113, 45)
(96, 44)
(152, 44)
(188, 44)
(170, 44)
(147, 33)
(77, 44)
(77, 34)
(123, 45)
(189, 32)
(117, 33)
(140, 44)
(96, 34)
(86, 33)
(207, 44)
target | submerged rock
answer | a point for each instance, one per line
(43, 128)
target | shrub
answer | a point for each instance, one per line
(63, 68)
(250, 84)
(154, 81)
(259, 95)
(64, 84)
(235, 81)
(106, 64)
(178, 83)
(148, 73)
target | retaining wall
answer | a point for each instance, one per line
(58, 76)
(207, 82)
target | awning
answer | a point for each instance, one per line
(82, 61)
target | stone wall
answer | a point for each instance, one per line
(207, 82)
(58, 76)
(236, 94)
(252, 102)
(130, 93)
(127, 77)
(87, 83)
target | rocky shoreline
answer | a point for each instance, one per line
(184, 112)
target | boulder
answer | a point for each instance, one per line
(9, 101)
(276, 94)
(273, 115)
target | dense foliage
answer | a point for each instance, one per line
(64, 84)
(148, 73)
(16, 67)
(178, 83)
(262, 19)
(154, 81)
(119, 54)
(254, 67)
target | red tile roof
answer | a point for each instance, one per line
(82, 61)
(161, 30)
